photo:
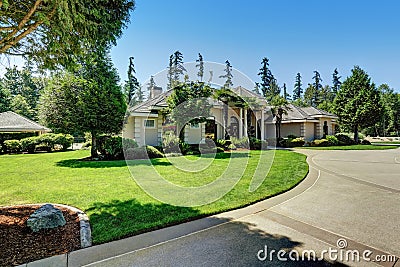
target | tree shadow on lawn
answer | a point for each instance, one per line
(78, 163)
(81, 163)
(231, 243)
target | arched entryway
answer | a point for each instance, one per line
(234, 127)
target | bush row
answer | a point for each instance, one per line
(44, 142)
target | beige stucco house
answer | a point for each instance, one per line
(146, 125)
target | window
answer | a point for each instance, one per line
(149, 123)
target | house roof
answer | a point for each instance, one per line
(295, 113)
(13, 122)
(159, 102)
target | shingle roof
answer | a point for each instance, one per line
(158, 101)
(304, 113)
(13, 122)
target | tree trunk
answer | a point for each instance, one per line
(356, 133)
(93, 150)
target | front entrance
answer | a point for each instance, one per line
(234, 127)
(211, 129)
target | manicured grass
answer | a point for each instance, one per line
(387, 142)
(117, 206)
(353, 147)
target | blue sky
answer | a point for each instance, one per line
(297, 36)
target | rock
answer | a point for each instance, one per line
(46, 217)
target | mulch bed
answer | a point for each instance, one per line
(18, 244)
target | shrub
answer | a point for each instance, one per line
(12, 146)
(64, 140)
(365, 142)
(29, 144)
(344, 139)
(333, 141)
(153, 152)
(220, 150)
(128, 143)
(113, 148)
(296, 142)
(240, 142)
(257, 144)
(232, 147)
(320, 142)
(47, 142)
(143, 153)
(185, 148)
(221, 143)
(170, 143)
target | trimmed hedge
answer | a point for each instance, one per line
(112, 147)
(45, 142)
(12, 146)
(320, 142)
(344, 139)
(333, 141)
(143, 153)
(29, 144)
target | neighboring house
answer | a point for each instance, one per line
(146, 125)
(11, 122)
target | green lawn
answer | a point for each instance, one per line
(353, 147)
(116, 205)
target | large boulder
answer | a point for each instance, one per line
(46, 217)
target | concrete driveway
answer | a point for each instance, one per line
(349, 200)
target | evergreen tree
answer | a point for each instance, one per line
(58, 32)
(200, 65)
(326, 98)
(357, 103)
(336, 82)
(317, 88)
(22, 84)
(298, 91)
(256, 88)
(274, 89)
(266, 78)
(286, 95)
(170, 73)
(4, 98)
(228, 75)
(134, 90)
(20, 105)
(191, 98)
(179, 69)
(89, 100)
(175, 69)
(309, 96)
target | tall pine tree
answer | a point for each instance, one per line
(336, 82)
(298, 91)
(266, 79)
(228, 76)
(133, 86)
(200, 65)
(317, 89)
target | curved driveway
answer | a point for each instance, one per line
(350, 195)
